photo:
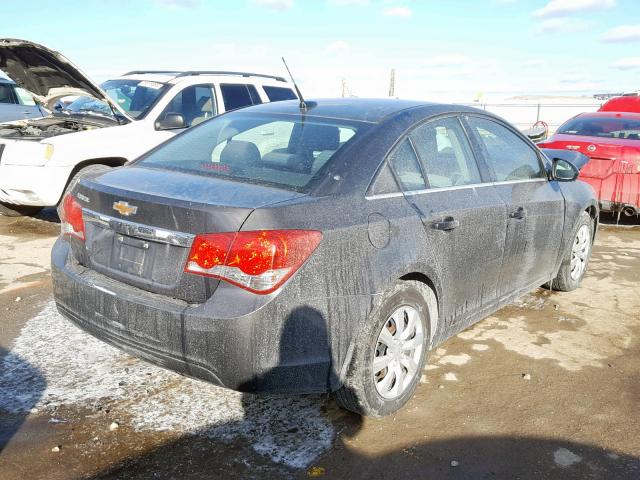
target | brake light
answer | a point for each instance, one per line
(258, 261)
(71, 218)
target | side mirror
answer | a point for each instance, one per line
(564, 171)
(171, 121)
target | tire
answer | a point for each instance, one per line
(367, 392)
(85, 172)
(10, 210)
(580, 247)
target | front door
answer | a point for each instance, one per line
(535, 206)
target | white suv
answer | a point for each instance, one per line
(107, 125)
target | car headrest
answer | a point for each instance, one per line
(237, 153)
(320, 137)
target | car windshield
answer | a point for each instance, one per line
(606, 127)
(286, 151)
(135, 97)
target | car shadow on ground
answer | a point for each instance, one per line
(14, 409)
(49, 214)
(199, 455)
(619, 219)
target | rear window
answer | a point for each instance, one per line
(279, 150)
(277, 94)
(607, 127)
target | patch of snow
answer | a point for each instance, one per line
(565, 458)
(455, 359)
(480, 347)
(53, 363)
(450, 377)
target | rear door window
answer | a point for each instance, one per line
(277, 94)
(238, 95)
(404, 163)
(508, 155)
(446, 154)
(253, 93)
(6, 93)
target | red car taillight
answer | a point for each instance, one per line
(71, 218)
(258, 261)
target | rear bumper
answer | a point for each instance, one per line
(32, 185)
(273, 345)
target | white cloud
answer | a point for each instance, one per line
(397, 12)
(451, 60)
(348, 3)
(178, 3)
(534, 62)
(279, 5)
(623, 33)
(551, 25)
(629, 63)
(336, 47)
(556, 8)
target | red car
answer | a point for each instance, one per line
(612, 142)
(626, 103)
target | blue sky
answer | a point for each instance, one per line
(439, 49)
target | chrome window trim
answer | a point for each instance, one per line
(138, 230)
(455, 187)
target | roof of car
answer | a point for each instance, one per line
(7, 80)
(165, 76)
(372, 110)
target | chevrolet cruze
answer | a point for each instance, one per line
(321, 247)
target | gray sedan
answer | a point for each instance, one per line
(320, 249)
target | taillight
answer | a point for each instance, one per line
(258, 261)
(71, 217)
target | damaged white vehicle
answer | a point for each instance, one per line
(107, 125)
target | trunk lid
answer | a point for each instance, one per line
(47, 74)
(140, 223)
(613, 163)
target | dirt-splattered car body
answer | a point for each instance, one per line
(478, 243)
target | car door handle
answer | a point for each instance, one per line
(446, 224)
(518, 213)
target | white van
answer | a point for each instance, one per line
(107, 125)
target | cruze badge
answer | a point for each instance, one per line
(123, 208)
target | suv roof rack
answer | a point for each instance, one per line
(189, 73)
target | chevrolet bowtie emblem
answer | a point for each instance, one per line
(123, 208)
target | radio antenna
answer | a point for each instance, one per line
(303, 104)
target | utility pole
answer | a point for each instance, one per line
(392, 83)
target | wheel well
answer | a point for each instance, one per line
(109, 162)
(434, 302)
(421, 277)
(591, 210)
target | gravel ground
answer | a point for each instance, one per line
(546, 388)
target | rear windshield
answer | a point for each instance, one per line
(286, 151)
(607, 127)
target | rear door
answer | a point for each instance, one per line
(463, 216)
(535, 206)
(236, 95)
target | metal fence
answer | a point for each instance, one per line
(524, 115)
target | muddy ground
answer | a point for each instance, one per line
(548, 387)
